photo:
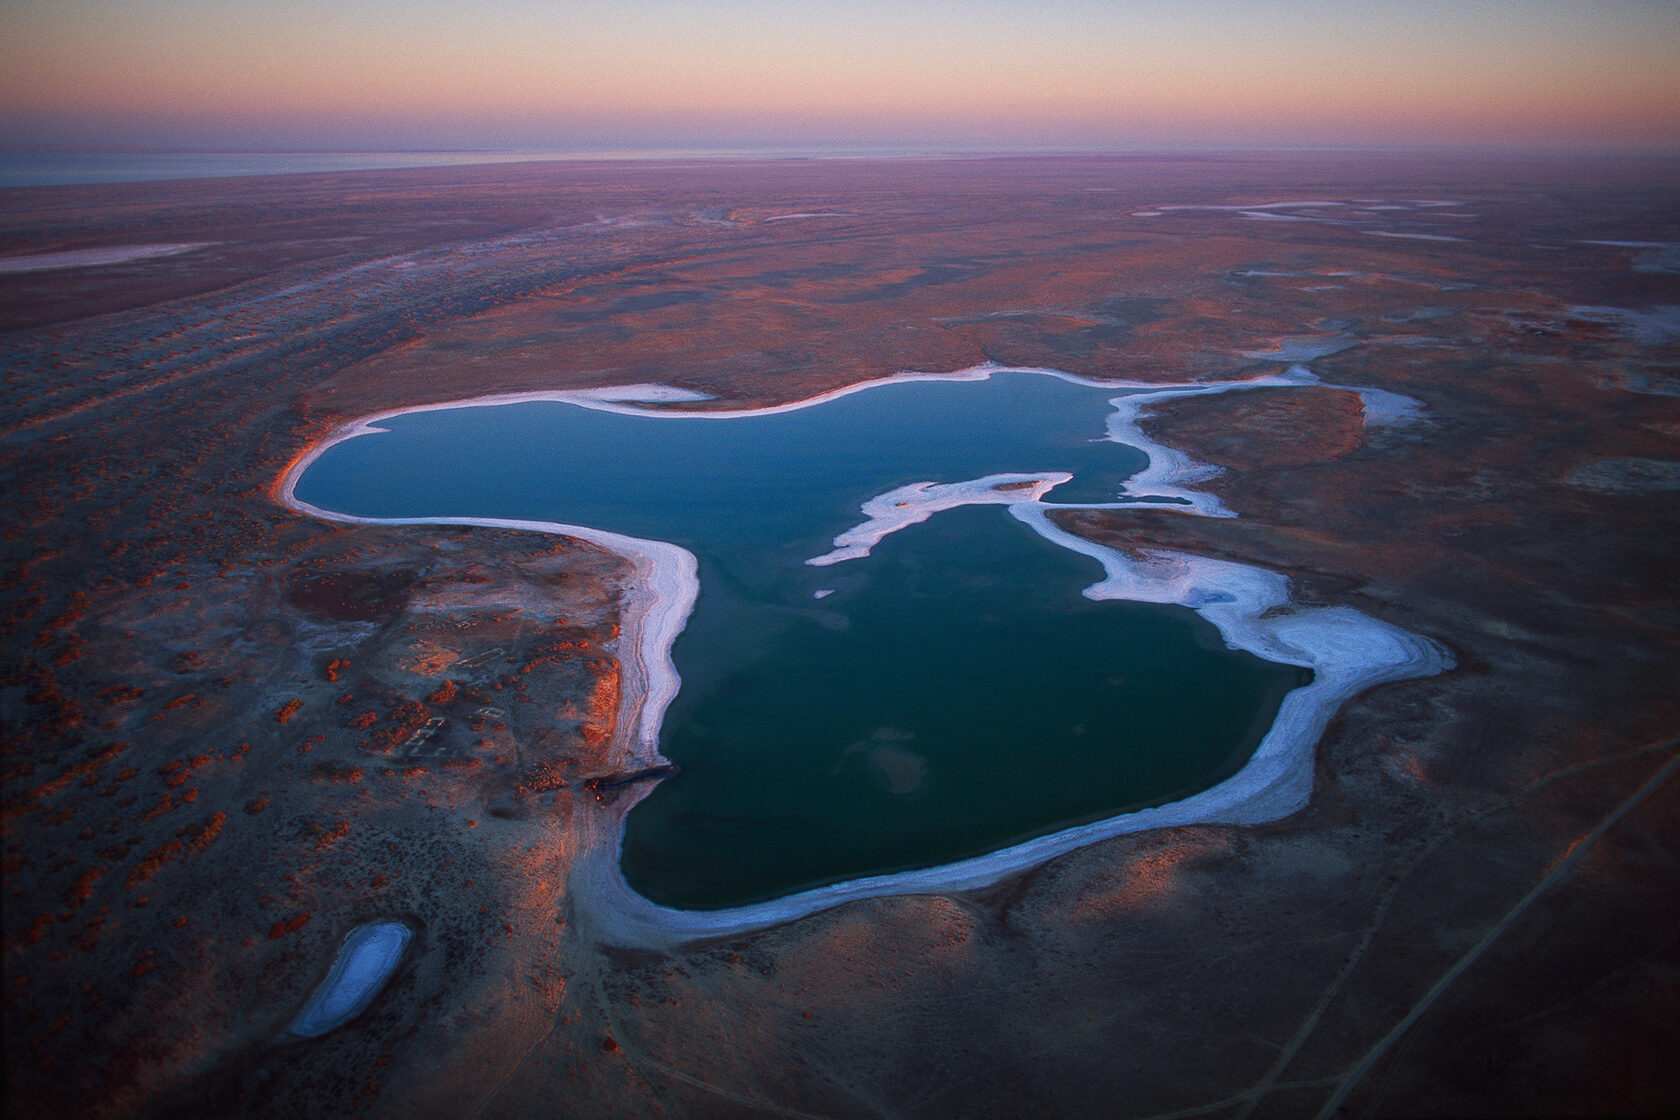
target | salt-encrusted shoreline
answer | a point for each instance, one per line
(914, 504)
(1347, 651)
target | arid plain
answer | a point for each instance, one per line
(233, 733)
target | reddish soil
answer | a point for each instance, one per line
(219, 745)
(1258, 428)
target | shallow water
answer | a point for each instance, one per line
(949, 694)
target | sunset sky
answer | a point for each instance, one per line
(930, 74)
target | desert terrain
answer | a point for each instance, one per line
(233, 733)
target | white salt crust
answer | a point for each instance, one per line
(1347, 650)
(365, 960)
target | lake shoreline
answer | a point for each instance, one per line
(1347, 651)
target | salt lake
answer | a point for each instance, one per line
(943, 691)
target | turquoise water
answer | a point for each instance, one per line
(953, 692)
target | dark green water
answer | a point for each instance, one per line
(955, 693)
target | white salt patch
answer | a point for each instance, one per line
(1384, 409)
(648, 394)
(1410, 236)
(365, 961)
(86, 258)
(1253, 206)
(914, 504)
(791, 217)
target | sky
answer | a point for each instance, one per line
(958, 75)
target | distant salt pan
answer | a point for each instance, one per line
(87, 258)
(825, 214)
(1326, 211)
(1627, 476)
(1310, 203)
(1656, 327)
(1656, 256)
(1411, 236)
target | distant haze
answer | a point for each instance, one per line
(928, 74)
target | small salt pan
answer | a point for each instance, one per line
(365, 961)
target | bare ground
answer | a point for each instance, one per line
(218, 747)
